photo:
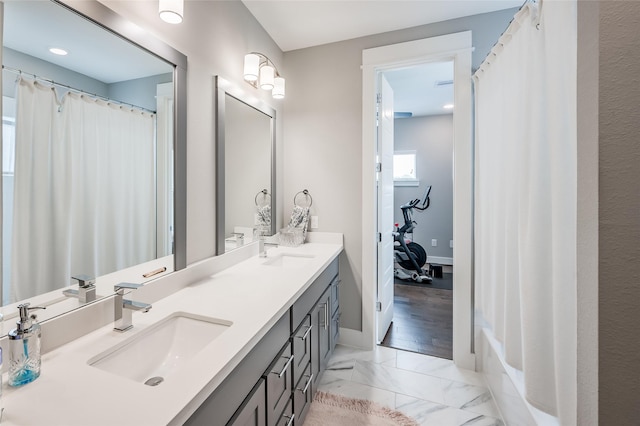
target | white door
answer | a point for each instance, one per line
(385, 208)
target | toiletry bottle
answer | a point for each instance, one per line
(24, 348)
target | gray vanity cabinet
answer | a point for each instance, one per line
(275, 383)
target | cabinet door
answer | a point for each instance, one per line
(324, 337)
(254, 410)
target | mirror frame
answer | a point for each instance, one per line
(110, 21)
(222, 89)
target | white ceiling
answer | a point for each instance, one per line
(296, 24)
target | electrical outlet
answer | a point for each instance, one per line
(450, 243)
(314, 222)
(434, 243)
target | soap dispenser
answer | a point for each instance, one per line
(24, 348)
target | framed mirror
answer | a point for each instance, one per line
(245, 161)
(93, 153)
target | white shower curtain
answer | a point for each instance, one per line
(84, 189)
(526, 201)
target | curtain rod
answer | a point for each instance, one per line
(538, 3)
(82, 92)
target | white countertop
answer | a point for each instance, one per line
(249, 294)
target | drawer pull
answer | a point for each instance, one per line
(306, 387)
(284, 369)
(326, 315)
(306, 333)
(290, 422)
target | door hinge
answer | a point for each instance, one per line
(378, 167)
(379, 306)
(379, 237)
(379, 98)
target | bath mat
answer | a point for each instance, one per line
(334, 410)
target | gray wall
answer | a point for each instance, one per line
(323, 135)
(140, 91)
(432, 139)
(619, 213)
(215, 36)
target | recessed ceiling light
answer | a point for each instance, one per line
(58, 51)
(448, 106)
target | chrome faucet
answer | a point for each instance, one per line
(124, 308)
(86, 291)
(262, 247)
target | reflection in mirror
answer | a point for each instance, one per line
(246, 173)
(88, 150)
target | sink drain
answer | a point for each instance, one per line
(154, 381)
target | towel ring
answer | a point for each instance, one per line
(305, 193)
(265, 194)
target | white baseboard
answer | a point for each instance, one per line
(440, 260)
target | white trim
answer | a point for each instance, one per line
(440, 260)
(456, 47)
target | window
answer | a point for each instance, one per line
(404, 168)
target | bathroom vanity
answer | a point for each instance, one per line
(253, 337)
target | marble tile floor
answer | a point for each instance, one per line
(431, 390)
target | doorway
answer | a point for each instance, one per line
(422, 144)
(456, 48)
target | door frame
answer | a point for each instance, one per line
(455, 47)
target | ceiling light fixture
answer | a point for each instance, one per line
(58, 51)
(448, 106)
(171, 11)
(260, 71)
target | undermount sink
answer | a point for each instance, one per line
(160, 350)
(289, 260)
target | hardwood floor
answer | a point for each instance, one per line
(422, 321)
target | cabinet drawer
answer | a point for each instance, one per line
(335, 329)
(303, 395)
(279, 383)
(335, 295)
(287, 418)
(301, 348)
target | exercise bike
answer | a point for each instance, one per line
(411, 256)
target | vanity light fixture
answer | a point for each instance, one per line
(260, 71)
(171, 11)
(58, 51)
(448, 106)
